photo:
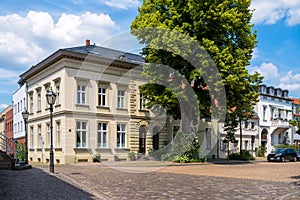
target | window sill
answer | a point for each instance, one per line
(58, 105)
(143, 110)
(81, 149)
(39, 111)
(82, 105)
(102, 107)
(123, 109)
(58, 149)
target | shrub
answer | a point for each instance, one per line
(243, 155)
(260, 151)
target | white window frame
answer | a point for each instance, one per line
(57, 90)
(121, 99)
(121, 135)
(102, 135)
(102, 96)
(31, 137)
(40, 141)
(208, 134)
(81, 94)
(58, 134)
(142, 102)
(39, 101)
(48, 135)
(80, 130)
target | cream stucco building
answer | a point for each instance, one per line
(98, 109)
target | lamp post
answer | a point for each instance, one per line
(252, 143)
(25, 115)
(51, 100)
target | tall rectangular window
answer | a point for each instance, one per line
(121, 135)
(40, 139)
(57, 88)
(81, 134)
(142, 102)
(81, 94)
(246, 125)
(39, 103)
(31, 103)
(208, 138)
(102, 135)
(48, 135)
(264, 112)
(58, 136)
(31, 137)
(121, 99)
(101, 97)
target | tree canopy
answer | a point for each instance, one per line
(224, 30)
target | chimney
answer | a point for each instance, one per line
(87, 42)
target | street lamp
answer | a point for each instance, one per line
(25, 115)
(252, 143)
(51, 100)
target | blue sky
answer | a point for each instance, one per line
(33, 29)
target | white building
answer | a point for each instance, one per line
(19, 105)
(274, 110)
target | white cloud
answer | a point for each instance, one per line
(3, 106)
(272, 11)
(268, 70)
(123, 4)
(29, 39)
(274, 78)
(7, 74)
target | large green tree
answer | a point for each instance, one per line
(223, 29)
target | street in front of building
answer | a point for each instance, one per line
(221, 180)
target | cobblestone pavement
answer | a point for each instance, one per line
(255, 180)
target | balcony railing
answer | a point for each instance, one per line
(280, 123)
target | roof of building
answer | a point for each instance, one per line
(106, 53)
(91, 52)
(296, 101)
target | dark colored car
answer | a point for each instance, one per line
(282, 155)
(298, 154)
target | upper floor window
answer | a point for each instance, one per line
(101, 96)
(246, 125)
(121, 99)
(252, 125)
(264, 112)
(142, 102)
(81, 94)
(39, 103)
(57, 91)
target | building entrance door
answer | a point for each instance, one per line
(142, 139)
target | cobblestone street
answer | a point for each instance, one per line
(254, 180)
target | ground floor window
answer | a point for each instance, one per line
(81, 134)
(121, 135)
(102, 135)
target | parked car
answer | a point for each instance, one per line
(298, 154)
(283, 154)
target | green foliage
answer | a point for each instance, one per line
(295, 123)
(132, 155)
(224, 30)
(260, 151)
(243, 155)
(20, 152)
(185, 149)
(288, 146)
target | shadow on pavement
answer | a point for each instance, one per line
(37, 184)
